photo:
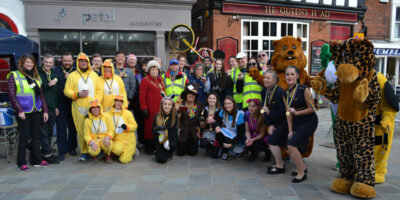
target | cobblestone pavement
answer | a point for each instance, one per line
(187, 177)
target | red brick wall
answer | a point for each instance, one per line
(377, 19)
(222, 28)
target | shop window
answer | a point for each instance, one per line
(99, 42)
(270, 31)
(58, 42)
(397, 23)
(137, 43)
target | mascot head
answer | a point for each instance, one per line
(354, 59)
(288, 51)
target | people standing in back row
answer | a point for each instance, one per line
(237, 73)
(82, 86)
(126, 73)
(49, 86)
(66, 131)
(97, 60)
(174, 79)
(27, 99)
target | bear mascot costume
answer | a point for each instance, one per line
(357, 93)
(287, 52)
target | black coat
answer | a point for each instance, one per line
(277, 107)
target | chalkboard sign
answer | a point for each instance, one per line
(316, 66)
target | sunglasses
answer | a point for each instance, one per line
(262, 55)
(253, 64)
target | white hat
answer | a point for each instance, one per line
(241, 55)
(153, 63)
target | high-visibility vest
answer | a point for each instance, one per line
(251, 90)
(234, 75)
(175, 87)
(26, 95)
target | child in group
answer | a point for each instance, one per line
(255, 131)
(124, 125)
(208, 122)
(98, 131)
(231, 126)
(165, 129)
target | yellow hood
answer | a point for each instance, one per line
(118, 97)
(107, 62)
(82, 55)
(94, 103)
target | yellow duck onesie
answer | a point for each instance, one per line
(79, 81)
(124, 139)
(112, 85)
(384, 128)
(97, 129)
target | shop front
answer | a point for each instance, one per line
(256, 24)
(387, 62)
(105, 26)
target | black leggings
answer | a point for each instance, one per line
(29, 128)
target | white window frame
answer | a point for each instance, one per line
(395, 5)
(278, 36)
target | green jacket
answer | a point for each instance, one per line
(50, 93)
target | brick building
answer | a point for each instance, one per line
(250, 26)
(383, 21)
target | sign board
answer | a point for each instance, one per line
(359, 35)
(386, 52)
(316, 66)
(286, 11)
(229, 46)
(340, 32)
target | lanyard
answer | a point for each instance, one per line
(64, 70)
(270, 96)
(165, 120)
(48, 75)
(98, 129)
(116, 123)
(290, 96)
(109, 86)
(120, 71)
(211, 112)
(84, 78)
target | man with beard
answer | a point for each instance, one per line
(82, 86)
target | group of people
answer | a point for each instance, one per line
(99, 105)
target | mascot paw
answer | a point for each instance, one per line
(318, 85)
(341, 186)
(255, 74)
(362, 190)
(379, 178)
(361, 91)
(385, 122)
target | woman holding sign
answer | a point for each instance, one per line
(301, 118)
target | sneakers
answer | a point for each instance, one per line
(42, 164)
(83, 157)
(224, 157)
(24, 168)
(52, 159)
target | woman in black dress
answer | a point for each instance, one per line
(301, 118)
(275, 119)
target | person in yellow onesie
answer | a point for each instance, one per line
(124, 125)
(112, 85)
(384, 127)
(82, 86)
(98, 132)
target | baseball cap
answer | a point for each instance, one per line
(241, 55)
(173, 62)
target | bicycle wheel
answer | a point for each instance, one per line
(181, 37)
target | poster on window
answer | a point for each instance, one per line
(316, 66)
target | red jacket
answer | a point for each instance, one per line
(150, 99)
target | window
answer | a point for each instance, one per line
(89, 42)
(137, 43)
(99, 42)
(57, 42)
(258, 35)
(395, 21)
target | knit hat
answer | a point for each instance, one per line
(153, 63)
(131, 56)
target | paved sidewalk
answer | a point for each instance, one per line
(187, 177)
